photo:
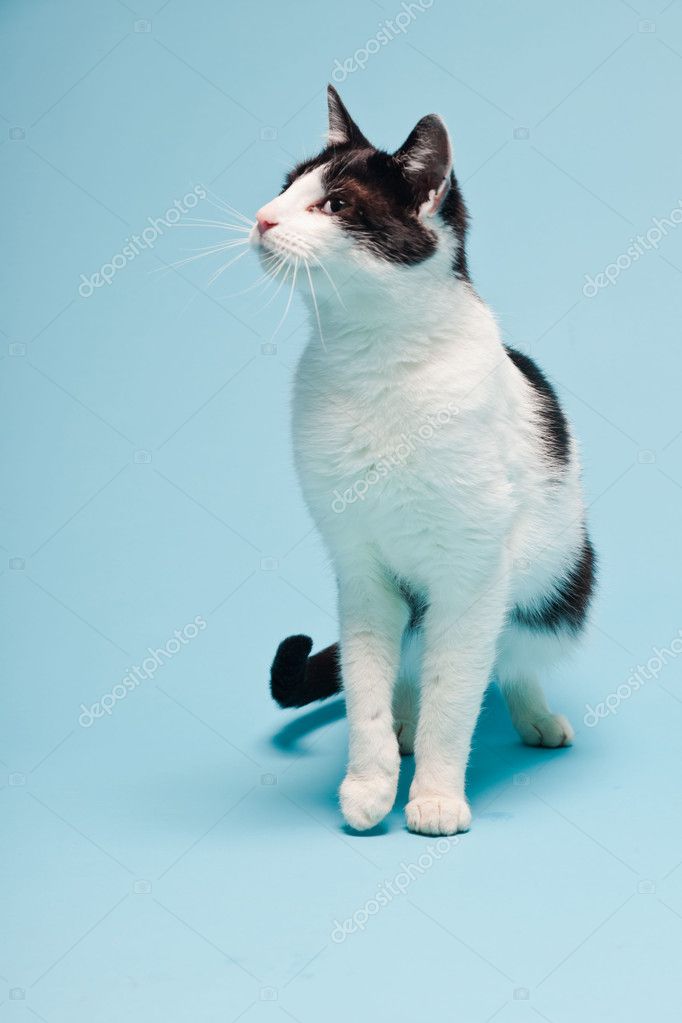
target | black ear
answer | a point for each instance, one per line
(426, 157)
(342, 127)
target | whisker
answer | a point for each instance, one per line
(291, 295)
(267, 278)
(214, 277)
(231, 243)
(218, 245)
(274, 266)
(314, 298)
(224, 205)
(326, 272)
(199, 222)
(200, 255)
(279, 286)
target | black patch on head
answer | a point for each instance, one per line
(554, 423)
(566, 606)
(315, 161)
(383, 194)
(381, 211)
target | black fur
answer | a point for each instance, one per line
(380, 211)
(454, 212)
(567, 606)
(297, 679)
(382, 195)
(287, 674)
(382, 205)
(555, 426)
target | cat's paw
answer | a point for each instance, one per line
(405, 732)
(366, 801)
(438, 815)
(551, 730)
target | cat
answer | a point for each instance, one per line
(439, 468)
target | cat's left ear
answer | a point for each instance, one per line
(342, 127)
(426, 161)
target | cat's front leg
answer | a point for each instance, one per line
(461, 631)
(373, 617)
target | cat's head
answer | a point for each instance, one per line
(357, 212)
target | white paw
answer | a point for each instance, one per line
(366, 801)
(405, 732)
(551, 730)
(438, 815)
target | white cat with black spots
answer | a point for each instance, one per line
(470, 558)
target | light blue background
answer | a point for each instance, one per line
(183, 858)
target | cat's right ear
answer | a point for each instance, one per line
(342, 128)
(426, 161)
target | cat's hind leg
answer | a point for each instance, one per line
(523, 656)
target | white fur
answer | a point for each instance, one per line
(475, 516)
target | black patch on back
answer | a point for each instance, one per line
(382, 207)
(555, 426)
(567, 605)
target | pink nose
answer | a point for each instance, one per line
(265, 223)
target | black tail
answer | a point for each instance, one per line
(296, 678)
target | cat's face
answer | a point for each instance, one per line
(355, 212)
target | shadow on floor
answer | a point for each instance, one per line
(288, 738)
(497, 754)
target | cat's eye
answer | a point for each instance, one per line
(333, 205)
